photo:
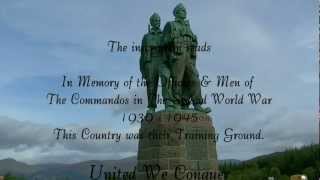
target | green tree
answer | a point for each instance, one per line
(8, 176)
(275, 172)
(284, 177)
(310, 172)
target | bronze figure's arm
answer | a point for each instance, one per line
(144, 55)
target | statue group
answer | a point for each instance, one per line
(170, 55)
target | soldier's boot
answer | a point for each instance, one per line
(202, 109)
(185, 104)
(170, 108)
(185, 107)
(176, 107)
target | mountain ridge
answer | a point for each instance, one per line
(80, 170)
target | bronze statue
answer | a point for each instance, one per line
(153, 64)
(180, 43)
(171, 54)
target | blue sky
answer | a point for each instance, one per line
(42, 40)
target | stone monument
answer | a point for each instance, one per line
(177, 142)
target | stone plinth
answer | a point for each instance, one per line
(177, 145)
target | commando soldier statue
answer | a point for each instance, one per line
(153, 65)
(181, 43)
(162, 153)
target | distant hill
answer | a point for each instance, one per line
(229, 161)
(282, 165)
(305, 160)
(76, 171)
(18, 168)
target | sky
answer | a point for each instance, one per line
(44, 40)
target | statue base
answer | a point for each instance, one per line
(176, 146)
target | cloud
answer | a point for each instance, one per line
(282, 129)
(36, 143)
(17, 134)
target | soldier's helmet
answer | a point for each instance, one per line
(179, 7)
(154, 16)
